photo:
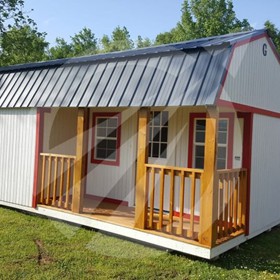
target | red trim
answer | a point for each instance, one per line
(230, 117)
(247, 158)
(107, 199)
(246, 108)
(187, 216)
(106, 162)
(38, 150)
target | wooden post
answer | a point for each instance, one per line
(209, 189)
(141, 195)
(78, 188)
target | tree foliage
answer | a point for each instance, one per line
(204, 18)
(274, 33)
(82, 43)
(21, 45)
(12, 14)
(120, 40)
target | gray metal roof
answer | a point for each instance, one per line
(181, 74)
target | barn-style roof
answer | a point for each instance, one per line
(180, 74)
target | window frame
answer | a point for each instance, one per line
(94, 159)
(191, 152)
(159, 142)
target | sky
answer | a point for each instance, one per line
(64, 18)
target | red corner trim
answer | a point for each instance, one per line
(106, 162)
(194, 116)
(247, 159)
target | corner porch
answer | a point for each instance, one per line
(205, 207)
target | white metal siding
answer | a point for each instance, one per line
(254, 79)
(265, 183)
(17, 155)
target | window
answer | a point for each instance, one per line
(197, 141)
(158, 134)
(106, 138)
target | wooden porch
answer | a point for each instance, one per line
(203, 207)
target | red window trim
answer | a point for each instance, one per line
(194, 116)
(100, 161)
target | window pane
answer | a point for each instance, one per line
(111, 132)
(199, 151)
(221, 164)
(113, 122)
(164, 132)
(200, 125)
(156, 120)
(163, 150)
(155, 150)
(223, 125)
(101, 132)
(222, 138)
(102, 122)
(222, 152)
(164, 120)
(111, 154)
(200, 136)
(150, 134)
(156, 134)
(199, 163)
(101, 153)
(111, 144)
(101, 144)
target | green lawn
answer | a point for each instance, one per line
(33, 247)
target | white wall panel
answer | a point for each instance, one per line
(265, 183)
(254, 79)
(17, 155)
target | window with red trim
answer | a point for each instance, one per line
(197, 141)
(106, 138)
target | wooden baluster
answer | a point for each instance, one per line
(192, 197)
(49, 180)
(226, 220)
(43, 180)
(61, 182)
(235, 200)
(244, 199)
(182, 194)
(152, 198)
(161, 198)
(68, 183)
(221, 207)
(171, 201)
(55, 181)
(230, 202)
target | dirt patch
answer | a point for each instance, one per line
(43, 256)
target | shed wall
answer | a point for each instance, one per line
(253, 79)
(17, 150)
(265, 187)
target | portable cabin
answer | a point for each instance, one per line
(174, 145)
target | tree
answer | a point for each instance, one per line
(82, 43)
(22, 45)
(119, 41)
(274, 33)
(204, 18)
(12, 11)
(143, 43)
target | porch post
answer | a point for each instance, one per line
(78, 188)
(142, 159)
(209, 193)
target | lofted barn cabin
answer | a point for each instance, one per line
(173, 145)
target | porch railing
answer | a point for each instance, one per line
(231, 201)
(173, 209)
(56, 180)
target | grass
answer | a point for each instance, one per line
(33, 247)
